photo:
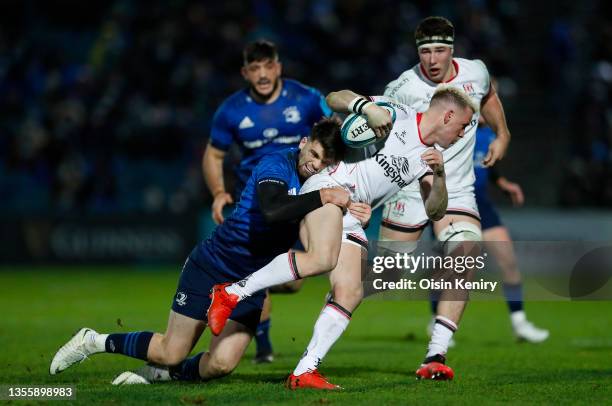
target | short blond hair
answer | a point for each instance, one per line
(451, 94)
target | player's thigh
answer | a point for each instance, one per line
(227, 348)
(345, 279)
(462, 208)
(395, 235)
(449, 219)
(324, 230)
(450, 225)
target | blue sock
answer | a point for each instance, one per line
(133, 345)
(434, 298)
(188, 370)
(514, 296)
(262, 338)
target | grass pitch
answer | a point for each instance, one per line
(374, 361)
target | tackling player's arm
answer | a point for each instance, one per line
(346, 101)
(278, 206)
(493, 112)
(433, 185)
(212, 169)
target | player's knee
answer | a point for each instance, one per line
(348, 295)
(219, 367)
(173, 359)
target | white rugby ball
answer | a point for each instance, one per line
(356, 132)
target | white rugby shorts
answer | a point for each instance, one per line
(405, 211)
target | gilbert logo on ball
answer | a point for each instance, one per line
(356, 132)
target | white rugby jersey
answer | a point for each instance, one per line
(394, 166)
(414, 89)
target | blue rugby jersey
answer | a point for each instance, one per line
(484, 138)
(263, 128)
(244, 242)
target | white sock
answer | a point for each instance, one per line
(281, 269)
(96, 342)
(518, 317)
(327, 330)
(443, 331)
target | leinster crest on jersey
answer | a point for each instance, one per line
(292, 114)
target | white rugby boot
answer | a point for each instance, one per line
(146, 374)
(77, 349)
(129, 378)
(524, 330)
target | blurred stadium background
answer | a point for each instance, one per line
(105, 109)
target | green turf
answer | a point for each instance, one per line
(374, 361)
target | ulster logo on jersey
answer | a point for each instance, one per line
(468, 88)
(292, 114)
(401, 164)
(399, 207)
(246, 123)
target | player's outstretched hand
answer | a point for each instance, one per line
(513, 189)
(221, 199)
(362, 212)
(379, 119)
(337, 196)
(434, 159)
(497, 151)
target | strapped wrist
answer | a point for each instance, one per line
(358, 104)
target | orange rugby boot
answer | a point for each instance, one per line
(434, 368)
(220, 307)
(310, 380)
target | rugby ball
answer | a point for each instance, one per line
(356, 132)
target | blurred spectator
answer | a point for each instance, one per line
(587, 177)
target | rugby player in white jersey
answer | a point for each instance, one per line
(336, 243)
(401, 221)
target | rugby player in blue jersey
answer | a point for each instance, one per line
(270, 114)
(264, 224)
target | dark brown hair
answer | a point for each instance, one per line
(434, 27)
(327, 133)
(258, 51)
